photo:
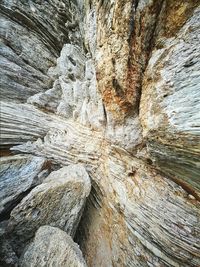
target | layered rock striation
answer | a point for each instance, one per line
(100, 133)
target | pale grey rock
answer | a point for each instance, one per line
(74, 94)
(80, 100)
(170, 104)
(18, 174)
(48, 100)
(176, 89)
(70, 64)
(21, 123)
(90, 30)
(115, 50)
(147, 216)
(58, 201)
(32, 35)
(127, 135)
(67, 143)
(52, 247)
(19, 57)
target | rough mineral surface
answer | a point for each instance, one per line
(17, 175)
(52, 247)
(113, 86)
(8, 257)
(171, 102)
(32, 35)
(58, 201)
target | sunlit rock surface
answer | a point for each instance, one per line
(113, 86)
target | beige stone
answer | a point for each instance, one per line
(52, 247)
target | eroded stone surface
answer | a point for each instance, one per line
(21, 123)
(52, 247)
(171, 102)
(138, 217)
(58, 201)
(91, 112)
(18, 174)
(32, 35)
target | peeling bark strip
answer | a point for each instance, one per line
(100, 138)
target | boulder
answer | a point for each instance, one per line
(52, 247)
(58, 201)
(18, 174)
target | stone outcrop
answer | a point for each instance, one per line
(170, 104)
(18, 174)
(113, 87)
(58, 201)
(52, 247)
(21, 123)
(138, 218)
(32, 35)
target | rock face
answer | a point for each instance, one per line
(52, 247)
(111, 86)
(32, 35)
(139, 218)
(18, 174)
(58, 201)
(170, 104)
